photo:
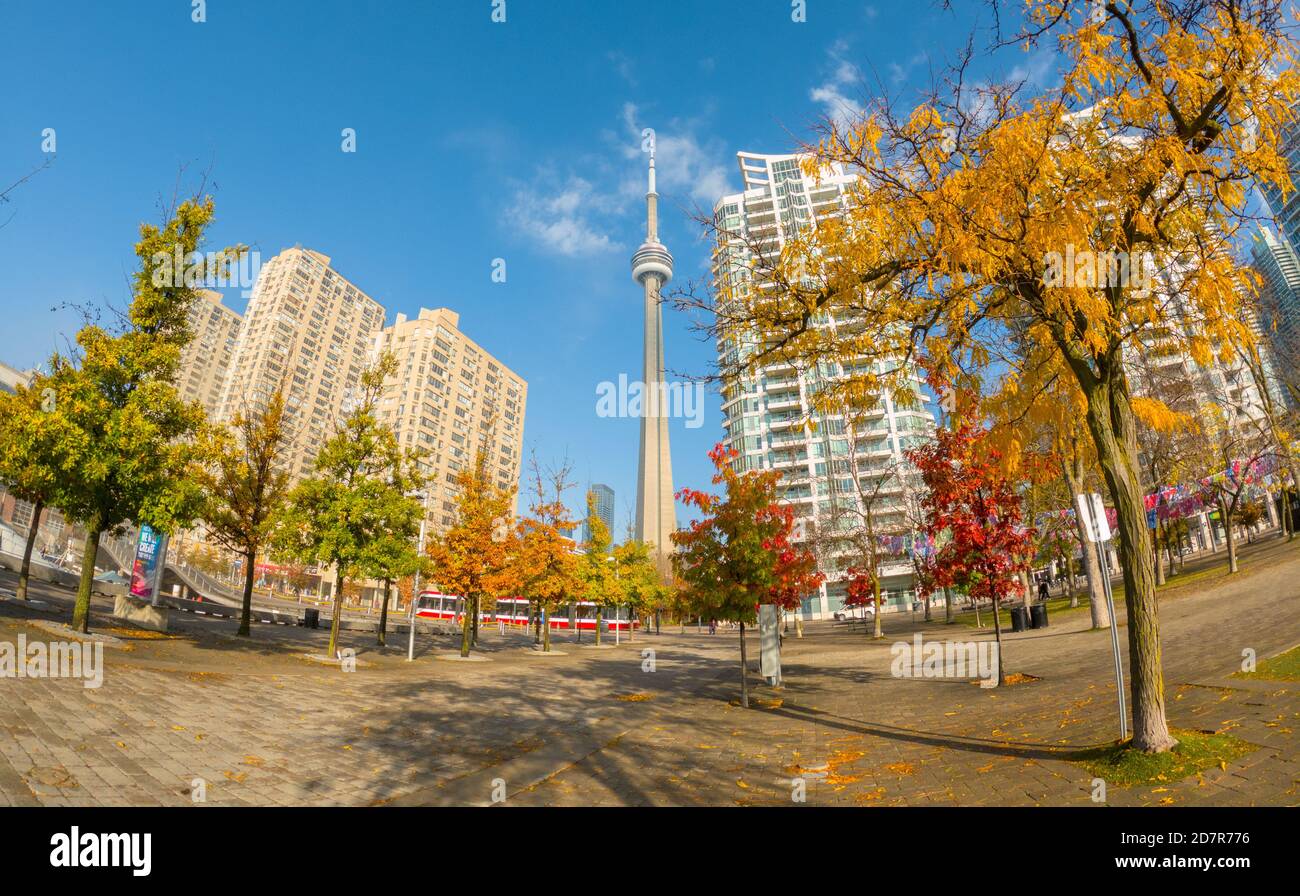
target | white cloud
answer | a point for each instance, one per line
(688, 166)
(581, 210)
(562, 217)
(837, 94)
(1038, 70)
(623, 65)
(900, 72)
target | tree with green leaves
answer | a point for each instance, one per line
(643, 588)
(395, 555)
(339, 515)
(245, 484)
(28, 456)
(125, 441)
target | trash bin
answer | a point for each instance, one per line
(311, 618)
(1019, 619)
(1038, 616)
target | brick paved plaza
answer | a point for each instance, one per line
(261, 725)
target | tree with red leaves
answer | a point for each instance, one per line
(971, 501)
(861, 589)
(740, 553)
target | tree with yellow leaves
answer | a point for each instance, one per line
(1038, 424)
(597, 572)
(545, 566)
(1074, 219)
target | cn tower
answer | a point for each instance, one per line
(656, 514)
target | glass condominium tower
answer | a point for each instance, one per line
(604, 509)
(1286, 210)
(769, 416)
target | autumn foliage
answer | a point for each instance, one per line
(972, 510)
(741, 552)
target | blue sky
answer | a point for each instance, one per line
(475, 141)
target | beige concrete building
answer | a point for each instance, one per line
(206, 361)
(308, 330)
(448, 397)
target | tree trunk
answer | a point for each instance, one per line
(81, 610)
(599, 613)
(546, 633)
(879, 624)
(339, 582)
(1113, 427)
(25, 571)
(997, 639)
(1155, 556)
(246, 611)
(744, 670)
(383, 614)
(1286, 502)
(537, 623)
(466, 634)
(1229, 536)
(947, 605)
(1074, 592)
(927, 608)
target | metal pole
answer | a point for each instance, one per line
(1114, 640)
(415, 585)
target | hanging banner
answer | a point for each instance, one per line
(146, 572)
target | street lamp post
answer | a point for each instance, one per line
(614, 560)
(415, 584)
(1093, 514)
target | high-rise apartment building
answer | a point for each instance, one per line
(206, 360)
(827, 462)
(604, 509)
(308, 331)
(448, 398)
(11, 378)
(1278, 265)
(1286, 211)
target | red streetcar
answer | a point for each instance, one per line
(514, 611)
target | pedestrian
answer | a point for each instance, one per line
(713, 626)
(1043, 590)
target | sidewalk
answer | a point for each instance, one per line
(258, 724)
